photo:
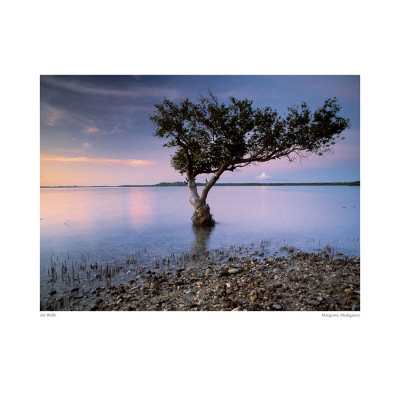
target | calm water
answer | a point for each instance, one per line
(107, 223)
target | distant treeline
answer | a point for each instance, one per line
(354, 183)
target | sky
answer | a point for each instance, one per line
(95, 130)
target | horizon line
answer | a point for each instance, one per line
(178, 183)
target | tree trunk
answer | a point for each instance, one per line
(202, 215)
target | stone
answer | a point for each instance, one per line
(312, 302)
(232, 271)
(276, 306)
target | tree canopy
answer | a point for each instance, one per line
(210, 134)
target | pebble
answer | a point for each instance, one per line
(233, 271)
(312, 302)
(236, 285)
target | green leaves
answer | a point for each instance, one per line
(210, 134)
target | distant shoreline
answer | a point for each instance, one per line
(169, 184)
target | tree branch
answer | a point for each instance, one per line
(213, 181)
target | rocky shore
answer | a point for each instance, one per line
(296, 282)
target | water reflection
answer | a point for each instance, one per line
(140, 207)
(201, 237)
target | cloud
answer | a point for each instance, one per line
(57, 117)
(79, 85)
(85, 146)
(50, 115)
(66, 150)
(263, 176)
(90, 130)
(96, 132)
(103, 161)
(112, 131)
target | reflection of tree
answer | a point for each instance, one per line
(202, 234)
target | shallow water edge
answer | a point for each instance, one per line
(299, 281)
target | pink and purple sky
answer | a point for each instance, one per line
(95, 130)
